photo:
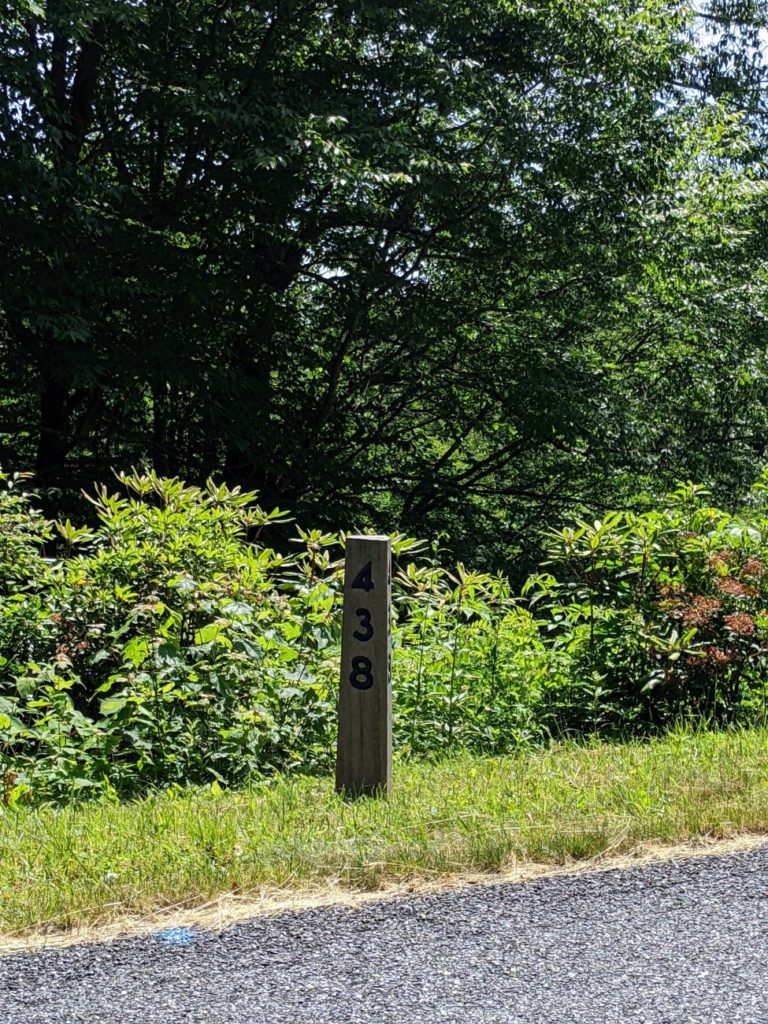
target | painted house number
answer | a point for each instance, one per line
(361, 676)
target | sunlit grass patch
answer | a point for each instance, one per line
(97, 862)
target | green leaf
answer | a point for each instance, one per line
(113, 705)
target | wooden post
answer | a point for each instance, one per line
(364, 752)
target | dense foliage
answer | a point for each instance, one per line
(459, 270)
(442, 268)
(167, 647)
(662, 613)
(171, 645)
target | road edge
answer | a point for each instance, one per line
(230, 909)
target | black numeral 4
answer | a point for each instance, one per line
(363, 580)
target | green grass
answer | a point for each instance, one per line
(89, 864)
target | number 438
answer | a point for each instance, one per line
(361, 676)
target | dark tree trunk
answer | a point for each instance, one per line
(74, 108)
(53, 440)
(250, 447)
(160, 439)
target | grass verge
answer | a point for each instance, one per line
(92, 864)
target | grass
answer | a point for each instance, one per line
(89, 864)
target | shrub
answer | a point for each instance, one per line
(469, 665)
(664, 613)
(170, 645)
(24, 531)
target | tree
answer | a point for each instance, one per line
(366, 259)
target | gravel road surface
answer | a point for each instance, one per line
(684, 941)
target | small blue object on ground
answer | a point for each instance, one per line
(177, 936)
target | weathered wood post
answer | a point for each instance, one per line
(364, 752)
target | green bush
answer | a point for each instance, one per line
(23, 532)
(663, 614)
(171, 645)
(469, 665)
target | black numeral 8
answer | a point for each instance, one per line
(361, 676)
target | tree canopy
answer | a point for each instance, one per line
(447, 266)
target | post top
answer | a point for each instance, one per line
(367, 536)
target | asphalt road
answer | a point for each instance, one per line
(685, 941)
